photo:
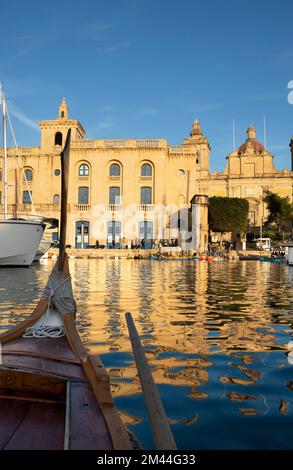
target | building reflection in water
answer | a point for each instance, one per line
(215, 335)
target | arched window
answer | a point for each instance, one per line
(115, 169)
(145, 195)
(83, 170)
(83, 195)
(58, 138)
(62, 114)
(146, 170)
(28, 175)
(56, 199)
(114, 195)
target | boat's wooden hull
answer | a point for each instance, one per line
(54, 394)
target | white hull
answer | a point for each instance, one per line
(44, 246)
(19, 241)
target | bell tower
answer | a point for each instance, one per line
(53, 132)
(200, 144)
(63, 110)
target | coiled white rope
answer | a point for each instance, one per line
(44, 330)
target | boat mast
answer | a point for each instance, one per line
(5, 153)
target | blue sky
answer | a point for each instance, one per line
(147, 68)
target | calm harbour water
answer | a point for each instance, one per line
(215, 334)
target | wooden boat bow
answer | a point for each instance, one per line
(54, 394)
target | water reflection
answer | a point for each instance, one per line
(215, 334)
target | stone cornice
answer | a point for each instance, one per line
(61, 123)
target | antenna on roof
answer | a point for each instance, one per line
(233, 132)
(264, 132)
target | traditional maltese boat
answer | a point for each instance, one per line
(54, 394)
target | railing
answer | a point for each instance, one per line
(29, 207)
(22, 151)
(146, 178)
(115, 143)
(82, 207)
(90, 144)
(128, 143)
(113, 207)
(149, 143)
(180, 149)
(146, 207)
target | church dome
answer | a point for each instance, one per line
(251, 145)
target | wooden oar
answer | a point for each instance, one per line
(64, 196)
(162, 434)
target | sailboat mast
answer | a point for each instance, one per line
(5, 153)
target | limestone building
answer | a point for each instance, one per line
(135, 191)
(250, 172)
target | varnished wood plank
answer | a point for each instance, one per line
(52, 357)
(67, 417)
(28, 398)
(47, 346)
(100, 383)
(30, 382)
(88, 430)
(11, 415)
(43, 365)
(41, 429)
(73, 371)
(33, 363)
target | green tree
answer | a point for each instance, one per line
(228, 214)
(280, 211)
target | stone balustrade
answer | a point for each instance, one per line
(178, 149)
(129, 143)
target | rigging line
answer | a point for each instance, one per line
(45, 330)
(17, 159)
(4, 121)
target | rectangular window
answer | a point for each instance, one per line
(27, 197)
(114, 195)
(54, 236)
(83, 195)
(145, 195)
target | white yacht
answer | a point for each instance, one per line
(19, 239)
(43, 249)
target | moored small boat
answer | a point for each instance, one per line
(165, 258)
(19, 239)
(44, 247)
(271, 260)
